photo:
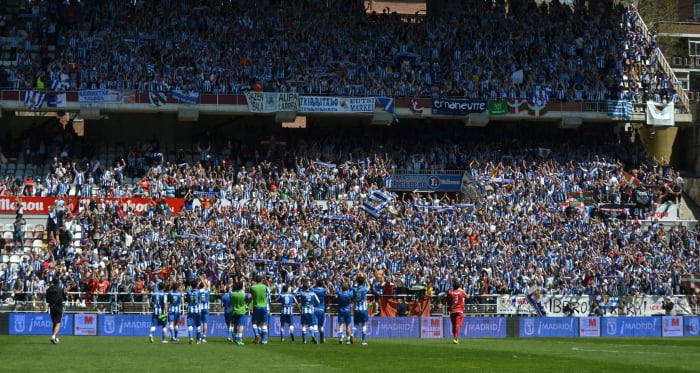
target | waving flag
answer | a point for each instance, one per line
(629, 179)
(57, 100)
(190, 97)
(33, 100)
(620, 109)
(60, 85)
(376, 203)
(415, 107)
(157, 99)
(516, 106)
(581, 199)
(388, 104)
(498, 107)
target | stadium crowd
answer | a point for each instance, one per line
(490, 51)
(291, 210)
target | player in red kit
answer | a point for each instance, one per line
(455, 301)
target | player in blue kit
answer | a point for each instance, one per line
(320, 310)
(194, 325)
(288, 301)
(204, 295)
(228, 315)
(174, 306)
(159, 317)
(359, 297)
(344, 300)
(309, 301)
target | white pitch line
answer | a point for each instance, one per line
(620, 352)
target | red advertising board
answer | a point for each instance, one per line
(41, 205)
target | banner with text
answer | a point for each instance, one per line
(455, 106)
(268, 102)
(581, 305)
(631, 327)
(85, 324)
(105, 96)
(431, 182)
(431, 327)
(41, 205)
(320, 104)
(38, 324)
(479, 327)
(672, 326)
(548, 327)
(589, 327)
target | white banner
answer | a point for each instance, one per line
(659, 114)
(554, 305)
(319, 104)
(672, 326)
(431, 327)
(103, 96)
(589, 327)
(268, 102)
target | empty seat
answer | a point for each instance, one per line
(9, 227)
(29, 227)
(15, 258)
(37, 243)
(7, 235)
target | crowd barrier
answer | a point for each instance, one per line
(84, 324)
(417, 305)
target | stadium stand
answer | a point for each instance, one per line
(541, 211)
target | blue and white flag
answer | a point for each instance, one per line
(324, 164)
(57, 100)
(620, 109)
(60, 85)
(157, 99)
(190, 97)
(376, 203)
(388, 104)
(33, 100)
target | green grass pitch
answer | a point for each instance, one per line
(127, 354)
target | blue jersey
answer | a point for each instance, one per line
(321, 294)
(359, 296)
(309, 301)
(193, 301)
(158, 301)
(287, 300)
(204, 295)
(344, 300)
(226, 303)
(174, 301)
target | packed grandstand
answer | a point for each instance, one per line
(534, 210)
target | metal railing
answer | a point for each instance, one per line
(665, 66)
(138, 303)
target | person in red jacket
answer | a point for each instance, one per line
(455, 302)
